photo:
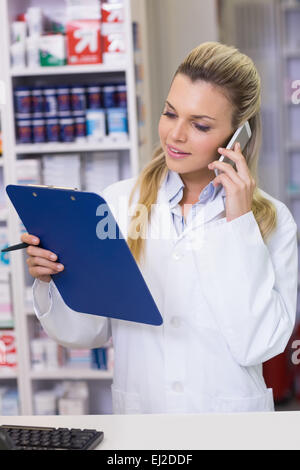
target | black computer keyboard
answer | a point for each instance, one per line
(44, 438)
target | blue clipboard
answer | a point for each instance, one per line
(101, 276)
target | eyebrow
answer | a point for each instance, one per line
(195, 116)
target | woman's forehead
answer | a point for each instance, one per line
(198, 98)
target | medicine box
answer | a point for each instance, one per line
(8, 350)
(83, 42)
(52, 49)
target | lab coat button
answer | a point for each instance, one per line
(176, 256)
(177, 387)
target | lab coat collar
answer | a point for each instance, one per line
(174, 185)
(214, 209)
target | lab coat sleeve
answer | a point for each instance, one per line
(66, 326)
(251, 286)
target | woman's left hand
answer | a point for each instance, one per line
(239, 185)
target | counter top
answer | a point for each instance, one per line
(272, 430)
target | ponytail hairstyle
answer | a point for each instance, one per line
(226, 67)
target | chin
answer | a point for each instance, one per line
(180, 166)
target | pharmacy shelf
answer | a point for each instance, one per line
(62, 147)
(71, 373)
(28, 379)
(67, 69)
(7, 373)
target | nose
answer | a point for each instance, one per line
(178, 132)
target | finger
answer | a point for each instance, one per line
(226, 181)
(30, 239)
(227, 168)
(36, 261)
(41, 252)
(40, 271)
(237, 157)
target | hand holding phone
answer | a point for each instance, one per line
(241, 135)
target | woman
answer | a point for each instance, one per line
(220, 262)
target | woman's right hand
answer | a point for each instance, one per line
(41, 263)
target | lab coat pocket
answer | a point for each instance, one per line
(262, 402)
(125, 402)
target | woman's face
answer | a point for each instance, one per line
(182, 128)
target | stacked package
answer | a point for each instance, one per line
(28, 171)
(9, 401)
(3, 201)
(8, 349)
(101, 170)
(79, 32)
(6, 307)
(113, 32)
(62, 170)
(66, 398)
(75, 399)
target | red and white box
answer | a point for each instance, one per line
(8, 350)
(113, 33)
(84, 42)
(113, 48)
(112, 12)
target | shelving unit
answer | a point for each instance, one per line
(26, 379)
(62, 147)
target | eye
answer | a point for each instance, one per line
(198, 126)
(169, 114)
(202, 128)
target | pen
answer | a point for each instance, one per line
(19, 246)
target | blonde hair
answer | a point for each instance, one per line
(236, 75)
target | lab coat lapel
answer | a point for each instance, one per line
(162, 217)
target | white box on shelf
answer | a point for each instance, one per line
(45, 402)
(73, 406)
(28, 171)
(6, 310)
(101, 170)
(62, 170)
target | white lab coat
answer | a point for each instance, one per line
(228, 302)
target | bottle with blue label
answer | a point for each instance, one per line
(37, 100)
(63, 99)
(50, 102)
(24, 131)
(67, 131)
(23, 104)
(117, 123)
(94, 97)
(52, 129)
(78, 100)
(109, 96)
(38, 131)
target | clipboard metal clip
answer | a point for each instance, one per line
(51, 187)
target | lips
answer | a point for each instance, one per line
(174, 152)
